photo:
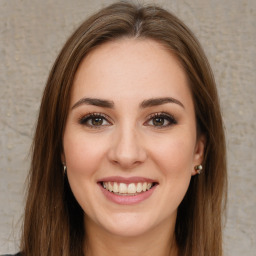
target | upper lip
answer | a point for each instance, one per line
(126, 180)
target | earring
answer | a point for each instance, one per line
(64, 169)
(198, 168)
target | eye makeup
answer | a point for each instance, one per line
(160, 120)
(95, 120)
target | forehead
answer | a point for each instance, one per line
(126, 68)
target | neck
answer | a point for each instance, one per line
(158, 241)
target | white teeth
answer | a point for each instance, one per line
(139, 187)
(131, 188)
(110, 187)
(122, 188)
(115, 188)
(144, 186)
(149, 185)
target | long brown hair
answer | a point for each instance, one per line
(53, 222)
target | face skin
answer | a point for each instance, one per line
(130, 136)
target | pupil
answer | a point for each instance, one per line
(158, 121)
(97, 121)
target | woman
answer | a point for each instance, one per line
(129, 151)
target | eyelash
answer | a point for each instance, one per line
(85, 119)
(164, 116)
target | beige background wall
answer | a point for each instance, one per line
(31, 34)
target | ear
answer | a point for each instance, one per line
(199, 152)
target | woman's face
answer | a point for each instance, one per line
(130, 142)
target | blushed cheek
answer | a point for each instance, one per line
(176, 157)
(81, 163)
(82, 155)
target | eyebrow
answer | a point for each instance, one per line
(95, 102)
(110, 104)
(159, 101)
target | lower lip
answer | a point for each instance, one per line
(128, 200)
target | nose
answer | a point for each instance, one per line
(127, 149)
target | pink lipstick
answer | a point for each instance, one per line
(122, 190)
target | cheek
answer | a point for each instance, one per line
(82, 156)
(175, 161)
(174, 155)
(82, 153)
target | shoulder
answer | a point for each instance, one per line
(17, 254)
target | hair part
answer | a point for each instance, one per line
(53, 223)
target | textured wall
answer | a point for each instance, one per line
(31, 34)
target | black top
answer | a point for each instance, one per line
(18, 254)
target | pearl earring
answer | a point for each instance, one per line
(198, 168)
(64, 169)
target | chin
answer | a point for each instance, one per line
(129, 229)
(132, 224)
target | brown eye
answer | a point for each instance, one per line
(161, 120)
(94, 120)
(158, 121)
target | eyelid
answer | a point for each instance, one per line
(172, 120)
(84, 118)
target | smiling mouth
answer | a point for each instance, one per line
(130, 189)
